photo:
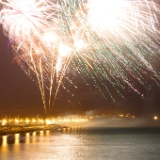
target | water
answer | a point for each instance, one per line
(83, 144)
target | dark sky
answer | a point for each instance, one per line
(20, 96)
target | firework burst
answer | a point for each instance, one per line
(110, 44)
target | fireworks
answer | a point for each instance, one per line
(101, 40)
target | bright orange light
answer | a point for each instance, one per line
(48, 121)
(4, 122)
(27, 120)
(16, 121)
(41, 121)
(121, 115)
(155, 118)
(33, 120)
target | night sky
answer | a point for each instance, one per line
(20, 96)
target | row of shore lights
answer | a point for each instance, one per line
(49, 121)
(42, 121)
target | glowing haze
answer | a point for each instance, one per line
(109, 43)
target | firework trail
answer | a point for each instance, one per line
(113, 42)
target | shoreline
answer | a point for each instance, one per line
(5, 130)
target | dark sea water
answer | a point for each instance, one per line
(83, 144)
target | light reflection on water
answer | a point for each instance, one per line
(4, 141)
(58, 145)
(78, 143)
